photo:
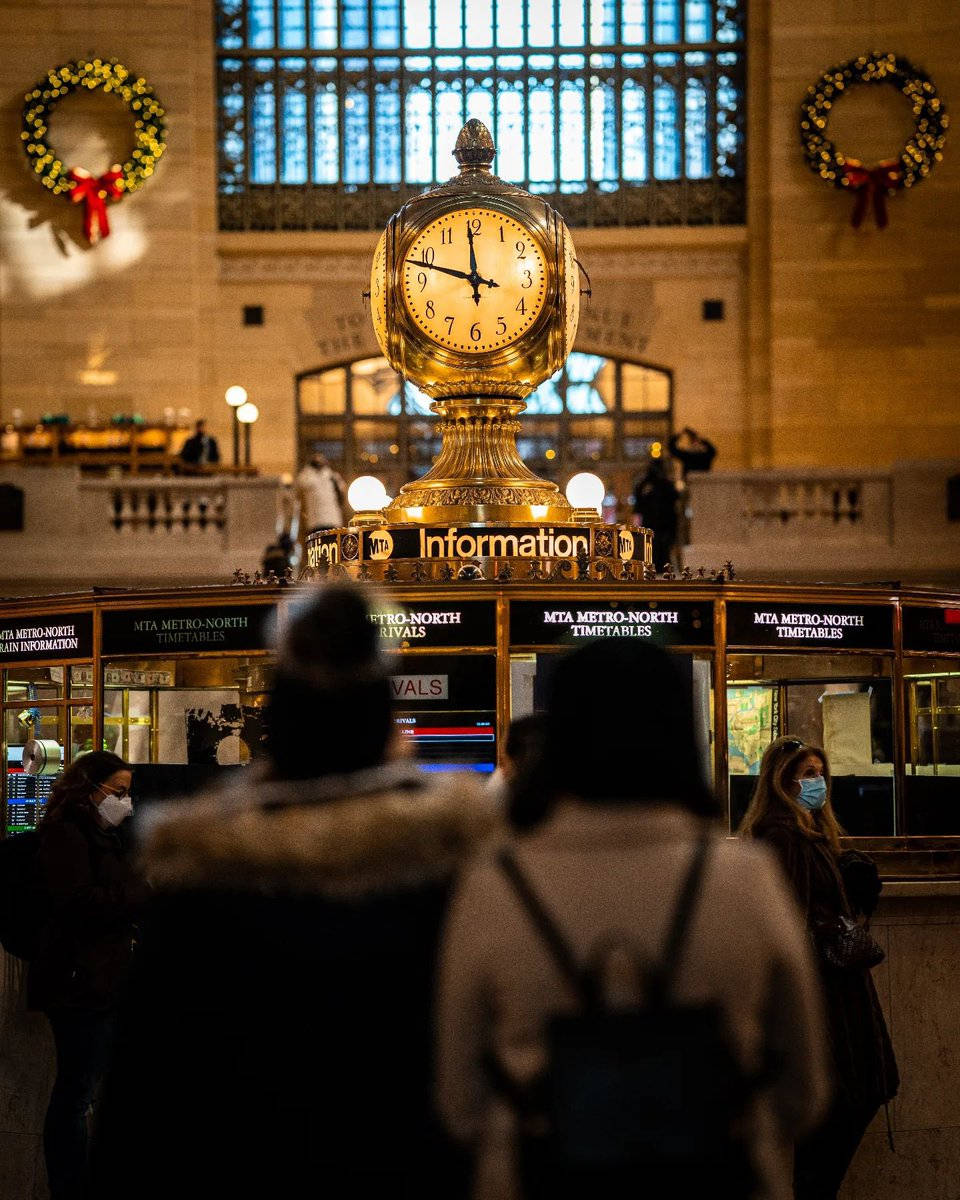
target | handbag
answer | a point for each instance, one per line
(849, 945)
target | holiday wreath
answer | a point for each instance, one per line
(914, 162)
(75, 183)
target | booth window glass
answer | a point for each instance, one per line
(44, 706)
(842, 703)
(182, 721)
(596, 413)
(331, 113)
(933, 745)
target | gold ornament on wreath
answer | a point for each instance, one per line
(75, 183)
(872, 185)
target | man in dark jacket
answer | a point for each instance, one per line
(200, 450)
(277, 1041)
(655, 503)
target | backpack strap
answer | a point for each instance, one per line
(581, 982)
(661, 977)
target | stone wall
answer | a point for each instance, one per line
(919, 988)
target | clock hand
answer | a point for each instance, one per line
(474, 278)
(422, 262)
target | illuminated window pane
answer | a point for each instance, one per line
(416, 23)
(263, 165)
(323, 24)
(325, 394)
(293, 24)
(260, 30)
(666, 151)
(354, 31)
(479, 23)
(375, 388)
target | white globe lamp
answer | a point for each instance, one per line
(585, 492)
(367, 496)
(247, 413)
(235, 395)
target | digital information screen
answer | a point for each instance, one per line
(27, 795)
(446, 707)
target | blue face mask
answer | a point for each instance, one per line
(813, 792)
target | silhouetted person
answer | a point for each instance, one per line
(614, 807)
(792, 813)
(692, 451)
(201, 449)
(278, 1037)
(655, 503)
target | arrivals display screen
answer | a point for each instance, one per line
(446, 709)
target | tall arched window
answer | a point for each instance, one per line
(333, 112)
(598, 413)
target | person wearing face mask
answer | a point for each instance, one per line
(77, 974)
(792, 813)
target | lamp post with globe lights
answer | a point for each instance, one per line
(236, 396)
(246, 414)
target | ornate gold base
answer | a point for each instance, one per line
(479, 476)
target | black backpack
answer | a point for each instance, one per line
(649, 1100)
(23, 907)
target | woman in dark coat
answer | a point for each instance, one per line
(791, 811)
(76, 976)
(277, 1038)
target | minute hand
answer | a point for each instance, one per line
(422, 262)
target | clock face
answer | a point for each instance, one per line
(474, 281)
(378, 290)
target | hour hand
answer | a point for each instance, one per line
(422, 262)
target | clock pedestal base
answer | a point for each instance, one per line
(479, 477)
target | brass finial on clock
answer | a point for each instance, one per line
(475, 299)
(474, 146)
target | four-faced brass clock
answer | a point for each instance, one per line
(474, 287)
(475, 298)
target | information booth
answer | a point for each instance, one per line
(176, 681)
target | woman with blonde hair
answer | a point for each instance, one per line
(791, 811)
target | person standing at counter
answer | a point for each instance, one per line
(792, 813)
(77, 975)
(200, 449)
(277, 1040)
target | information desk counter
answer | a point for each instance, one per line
(175, 681)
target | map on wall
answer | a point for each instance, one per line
(751, 721)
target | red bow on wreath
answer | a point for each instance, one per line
(94, 194)
(871, 186)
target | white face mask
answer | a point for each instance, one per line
(115, 809)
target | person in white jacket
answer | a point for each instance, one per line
(322, 494)
(606, 825)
